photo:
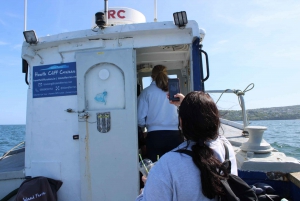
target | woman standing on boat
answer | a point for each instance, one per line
(158, 115)
(177, 176)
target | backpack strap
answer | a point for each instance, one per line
(185, 151)
(190, 153)
(226, 151)
(227, 162)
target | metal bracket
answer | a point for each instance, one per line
(62, 57)
(84, 115)
(40, 58)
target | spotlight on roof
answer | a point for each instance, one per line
(30, 37)
(180, 19)
(100, 19)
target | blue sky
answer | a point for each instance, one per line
(247, 42)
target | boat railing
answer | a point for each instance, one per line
(17, 149)
(240, 95)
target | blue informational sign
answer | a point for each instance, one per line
(54, 80)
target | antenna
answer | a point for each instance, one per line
(106, 12)
(25, 14)
(155, 11)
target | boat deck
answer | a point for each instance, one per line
(12, 172)
(12, 166)
(13, 162)
(233, 135)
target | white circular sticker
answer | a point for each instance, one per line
(103, 74)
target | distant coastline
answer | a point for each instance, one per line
(272, 113)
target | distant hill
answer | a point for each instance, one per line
(272, 113)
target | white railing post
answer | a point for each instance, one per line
(242, 103)
(244, 113)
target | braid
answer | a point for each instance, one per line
(204, 159)
(200, 122)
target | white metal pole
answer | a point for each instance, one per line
(244, 112)
(25, 14)
(155, 11)
(106, 11)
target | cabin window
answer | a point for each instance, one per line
(147, 80)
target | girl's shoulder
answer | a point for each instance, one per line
(219, 141)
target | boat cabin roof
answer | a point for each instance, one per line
(155, 42)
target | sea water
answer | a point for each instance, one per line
(283, 135)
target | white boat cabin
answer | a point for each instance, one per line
(81, 125)
(82, 102)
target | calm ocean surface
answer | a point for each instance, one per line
(283, 135)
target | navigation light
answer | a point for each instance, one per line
(180, 19)
(30, 37)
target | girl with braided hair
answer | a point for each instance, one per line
(177, 176)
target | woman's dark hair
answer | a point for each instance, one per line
(160, 76)
(200, 122)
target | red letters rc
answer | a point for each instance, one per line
(121, 11)
(111, 13)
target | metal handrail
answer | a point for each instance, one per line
(240, 94)
(207, 65)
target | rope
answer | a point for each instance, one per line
(245, 90)
(237, 92)
(221, 95)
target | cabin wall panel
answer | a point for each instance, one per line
(49, 140)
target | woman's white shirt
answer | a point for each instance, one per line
(154, 110)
